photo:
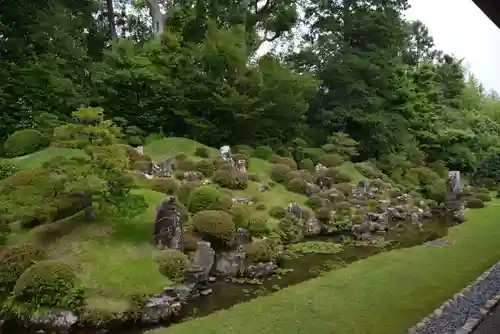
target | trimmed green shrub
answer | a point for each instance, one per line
(190, 242)
(14, 261)
(278, 172)
(201, 152)
(185, 165)
(24, 142)
(244, 149)
(203, 198)
(344, 188)
(185, 190)
(293, 174)
(324, 214)
(263, 152)
(314, 202)
(172, 264)
(239, 180)
(485, 197)
(337, 175)
(215, 226)
(7, 169)
(331, 160)
(277, 212)
(205, 167)
(240, 214)
(307, 164)
(166, 186)
(223, 178)
(46, 283)
(475, 203)
(482, 190)
(278, 160)
(258, 226)
(297, 185)
(260, 251)
(224, 203)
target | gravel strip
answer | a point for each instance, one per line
(462, 313)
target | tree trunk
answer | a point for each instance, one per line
(111, 20)
(157, 16)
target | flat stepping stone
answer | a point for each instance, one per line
(439, 242)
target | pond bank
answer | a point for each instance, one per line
(386, 293)
(227, 293)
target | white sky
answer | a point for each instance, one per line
(459, 27)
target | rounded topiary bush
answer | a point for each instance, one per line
(24, 142)
(307, 164)
(277, 212)
(314, 202)
(172, 264)
(166, 186)
(337, 175)
(205, 167)
(223, 178)
(190, 242)
(201, 152)
(258, 226)
(14, 261)
(224, 203)
(278, 160)
(45, 283)
(485, 197)
(203, 198)
(324, 214)
(297, 185)
(227, 166)
(239, 180)
(244, 149)
(331, 160)
(475, 203)
(240, 214)
(185, 190)
(482, 190)
(278, 172)
(215, 226)
(7, 169)
(185, 165)
(293, 174)
(260, 251)
(344, 188)
(263, 152)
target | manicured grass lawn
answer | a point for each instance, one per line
(37, 159)
(384, 294)
(115, 259)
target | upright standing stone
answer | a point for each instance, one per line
(225, 153)
(453, 205)
(204, 258)
(168, 226)
(140, 149)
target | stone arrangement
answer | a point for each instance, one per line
(454, 205)
(462, 313)
(168, 230)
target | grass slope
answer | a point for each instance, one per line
(116, 258)
(37, 159)
(384, 294)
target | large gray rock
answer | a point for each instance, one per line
(230, 263)
(55, 320)
(168, 230)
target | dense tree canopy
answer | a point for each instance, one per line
(192, 69)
